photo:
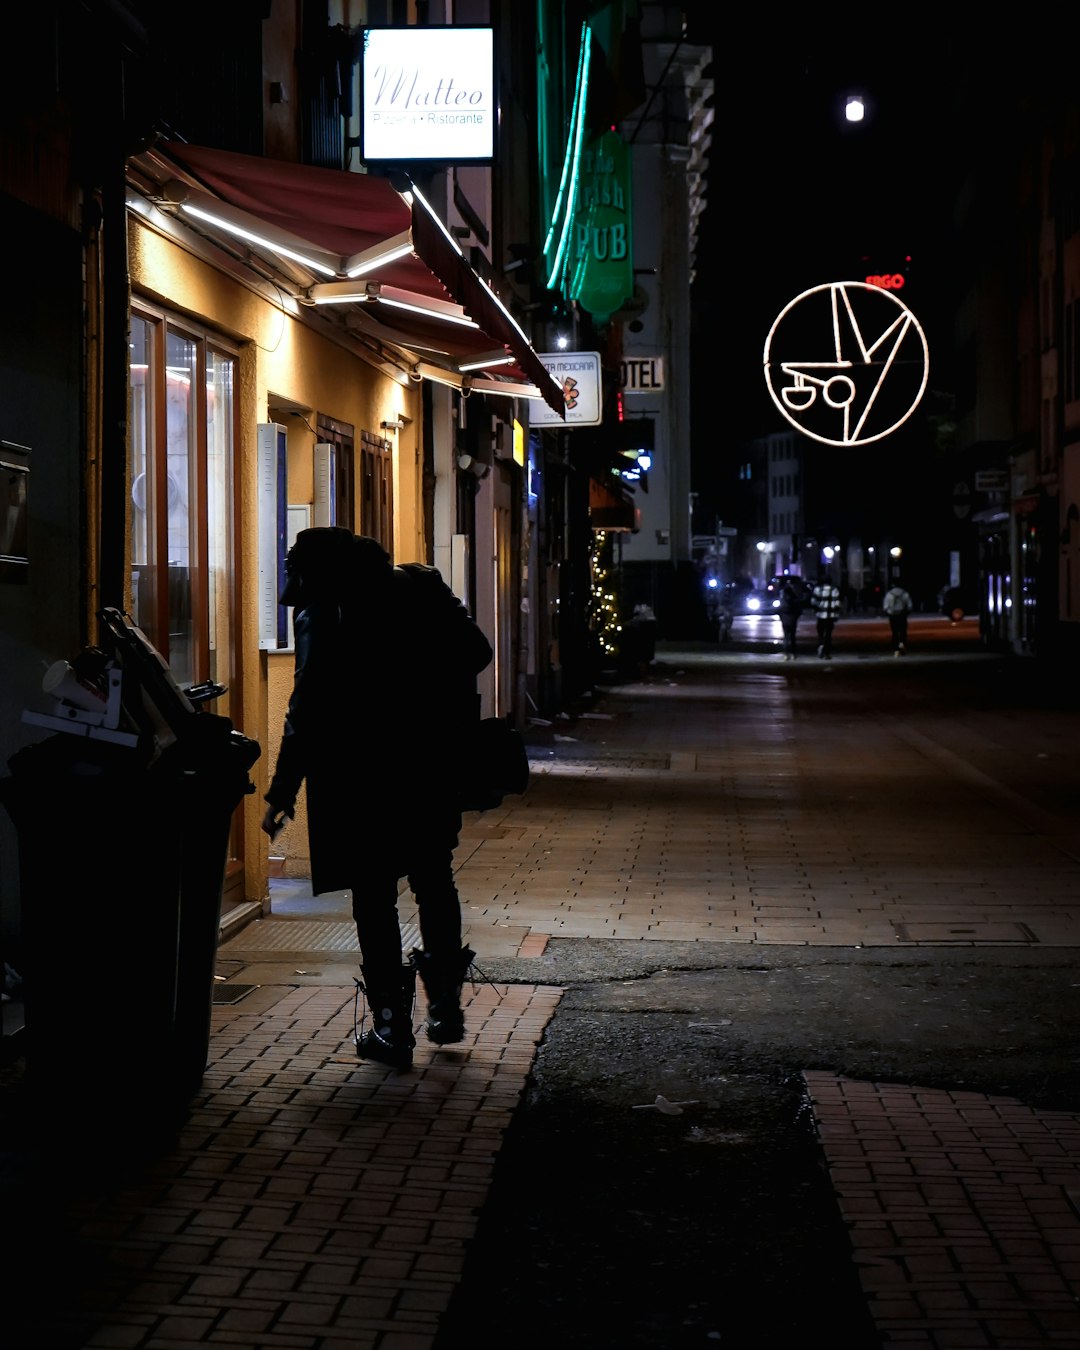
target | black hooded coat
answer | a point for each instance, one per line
(384, 695)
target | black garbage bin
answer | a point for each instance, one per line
(638, 650)
(122, 853)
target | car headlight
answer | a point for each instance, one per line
(753, 604)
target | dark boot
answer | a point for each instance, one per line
(390, 1039)
(442, 978)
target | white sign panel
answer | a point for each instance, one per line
(641, 374)
(427, 94)
(991, 480)
(271, 529)
(579, 375)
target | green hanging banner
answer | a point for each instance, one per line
(602, 262)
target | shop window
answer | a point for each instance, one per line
(182, 437)
(181, 456)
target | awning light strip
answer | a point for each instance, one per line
(260, 240)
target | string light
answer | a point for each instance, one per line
(603, 605)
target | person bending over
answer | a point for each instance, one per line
(383, 697)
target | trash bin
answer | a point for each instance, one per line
(639, 640)
(123, 836)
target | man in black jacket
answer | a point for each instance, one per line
(383, 698)
(792, 599)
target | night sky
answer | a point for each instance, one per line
(797, 197)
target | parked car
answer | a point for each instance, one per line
(743, 597)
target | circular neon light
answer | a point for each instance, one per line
(857, 346)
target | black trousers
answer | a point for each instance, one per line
(375, 912)
(898, 624)
(824, 635)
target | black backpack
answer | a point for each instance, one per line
(495, 761)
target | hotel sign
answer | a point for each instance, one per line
(638, 374)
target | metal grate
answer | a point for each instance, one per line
(231, 993)
(306, 935)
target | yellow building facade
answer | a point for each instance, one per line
(271, 366)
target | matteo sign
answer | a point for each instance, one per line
(427, 94)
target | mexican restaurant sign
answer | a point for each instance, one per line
(579, 375)
(601, 272)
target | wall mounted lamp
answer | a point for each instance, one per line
(470, 464)
(393, 424)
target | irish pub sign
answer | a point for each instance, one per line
(602, 262)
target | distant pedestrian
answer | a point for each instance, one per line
(724, 612)
(897, 605)
(825, 599)
(792, 600)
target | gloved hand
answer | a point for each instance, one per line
(274, 820)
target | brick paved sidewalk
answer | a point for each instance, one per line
(310, 1200)
(963, 1210)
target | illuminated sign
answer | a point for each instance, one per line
(846, 363)
(639, 462)
(602, 265)
(893, 282)
(427, 94)
(579, 375)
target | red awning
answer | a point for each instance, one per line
(331, 223)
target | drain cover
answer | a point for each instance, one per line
(232, 993)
